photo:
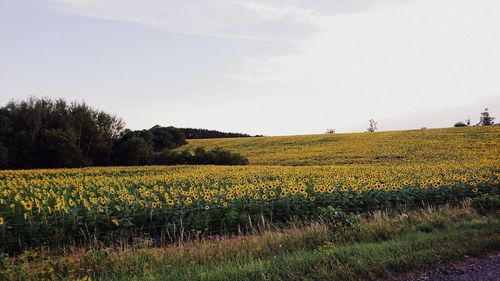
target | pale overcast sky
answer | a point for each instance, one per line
(272, 67)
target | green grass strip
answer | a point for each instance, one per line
(360, 261)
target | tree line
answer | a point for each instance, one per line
(191, 133)
(48, 133)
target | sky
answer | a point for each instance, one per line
(270, 67)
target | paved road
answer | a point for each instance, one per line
(483, 269)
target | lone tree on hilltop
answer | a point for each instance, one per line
(330, 131)
(486, 119)
(373, 126)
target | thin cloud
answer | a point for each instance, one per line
(273, 20)
(425, 56)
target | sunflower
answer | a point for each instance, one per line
(27, 205)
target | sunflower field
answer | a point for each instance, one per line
(66, 206)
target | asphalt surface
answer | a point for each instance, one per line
(482, 269)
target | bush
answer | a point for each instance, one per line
(335, 219)
(218, 156)
(486, 203)
(460, 124)
(200, 156)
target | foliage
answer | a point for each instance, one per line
(192, 133)
(463, 124)
(199, 156)
(46, 133)
(216, 156)
(139, 147)
(373, 126)
(486, 119)
(335, 219)
(4, 156)
(330, 131)
(53, 133)
(58, 148)
(167, 138)
(133, 150)
(486, 203)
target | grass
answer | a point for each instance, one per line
(415, 146)
(380, 245)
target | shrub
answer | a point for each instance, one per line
(200, 156)
(486, 203)
(335, 219)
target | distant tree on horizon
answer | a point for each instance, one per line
(330, 131)
(373, 126)
(486, 119)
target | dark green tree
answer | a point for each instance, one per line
(133, 151)
(167, 137)
(56, 148)
(4, 156)
(486, 119)
(27, 127)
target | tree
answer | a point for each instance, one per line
(48, 133)
(167, 137)
(486, 119)
(192, 133)
(330, 131)
(36, 131)
(4, 156)
(133, 151)
(373, 126)
(57, 149)
(460, 124)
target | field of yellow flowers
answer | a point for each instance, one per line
(394, 147)
(53, 207)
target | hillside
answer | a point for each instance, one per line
(415, 146)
